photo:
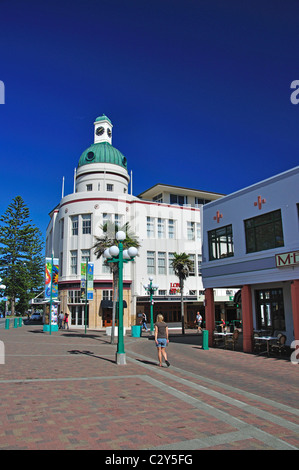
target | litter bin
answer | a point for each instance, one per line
(136, 331)
(205, 339)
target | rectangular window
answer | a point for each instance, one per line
(171, 229)
(74, 262)
(107, 294)
(198, 232)
(264, 232)
(151, 266)
(177, 199)
(161, 262)
(199, 261)
(107, 218)
(270, 309)
(109, 187)
(118, 219)
(74, 297)
(74, 220)
(158, 198)
(161, 228)
(89, 187)
(150, 227)
(191, 230)
(170, 259)
(221, 243)
(199, 201)
(85, 256)
(192, 268)
(62, 228)
(162, 292)
(86, 223)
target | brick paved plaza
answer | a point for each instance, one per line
(65, 391)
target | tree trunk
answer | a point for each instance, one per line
(182, 306)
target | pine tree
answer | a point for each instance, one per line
(21, 258)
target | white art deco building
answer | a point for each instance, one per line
(166, 219)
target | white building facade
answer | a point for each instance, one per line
(166, 219)
(251, 241)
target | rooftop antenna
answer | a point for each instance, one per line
(131, 183)
(62, 192)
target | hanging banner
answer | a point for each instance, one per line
(90, 269)
(48, 272)
(83, 282)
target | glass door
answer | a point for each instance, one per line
(77, 315)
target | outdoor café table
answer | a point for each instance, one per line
(268, 339)
(223, 334)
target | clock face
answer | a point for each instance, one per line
(109, 132)
(100, 130)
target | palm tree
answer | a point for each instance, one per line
(182, 265)
(105, 241)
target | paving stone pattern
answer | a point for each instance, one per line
(65, 391)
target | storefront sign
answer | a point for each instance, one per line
(287, 259)
(174, 288)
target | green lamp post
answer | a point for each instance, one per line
(117, 254)
(151, 289)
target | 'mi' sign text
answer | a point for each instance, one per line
(287, 259)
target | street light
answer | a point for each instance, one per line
(117, 254)
(151, 289)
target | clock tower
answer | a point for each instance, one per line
(102, 130)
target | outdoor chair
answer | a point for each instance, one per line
(258, 346)
(279, 346)
(232, 340)
(217, 340)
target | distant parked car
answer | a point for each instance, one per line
(35, 317)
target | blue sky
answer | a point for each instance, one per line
(198, 92)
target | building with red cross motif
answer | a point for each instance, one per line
(251, 241)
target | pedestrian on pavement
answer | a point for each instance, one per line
(144, 322)
(161, 339)
(60, 320)
(66, 321)
(198, 321)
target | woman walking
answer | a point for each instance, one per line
(161, 339)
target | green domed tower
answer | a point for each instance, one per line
(101, 166)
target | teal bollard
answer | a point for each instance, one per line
(15, 323)
(205, 339)
(20, 321)
(7, 323)
(136, 331)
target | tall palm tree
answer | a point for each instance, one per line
(105, 241)
(182, 265)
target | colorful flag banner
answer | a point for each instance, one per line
(90, 270)
(48, 272)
